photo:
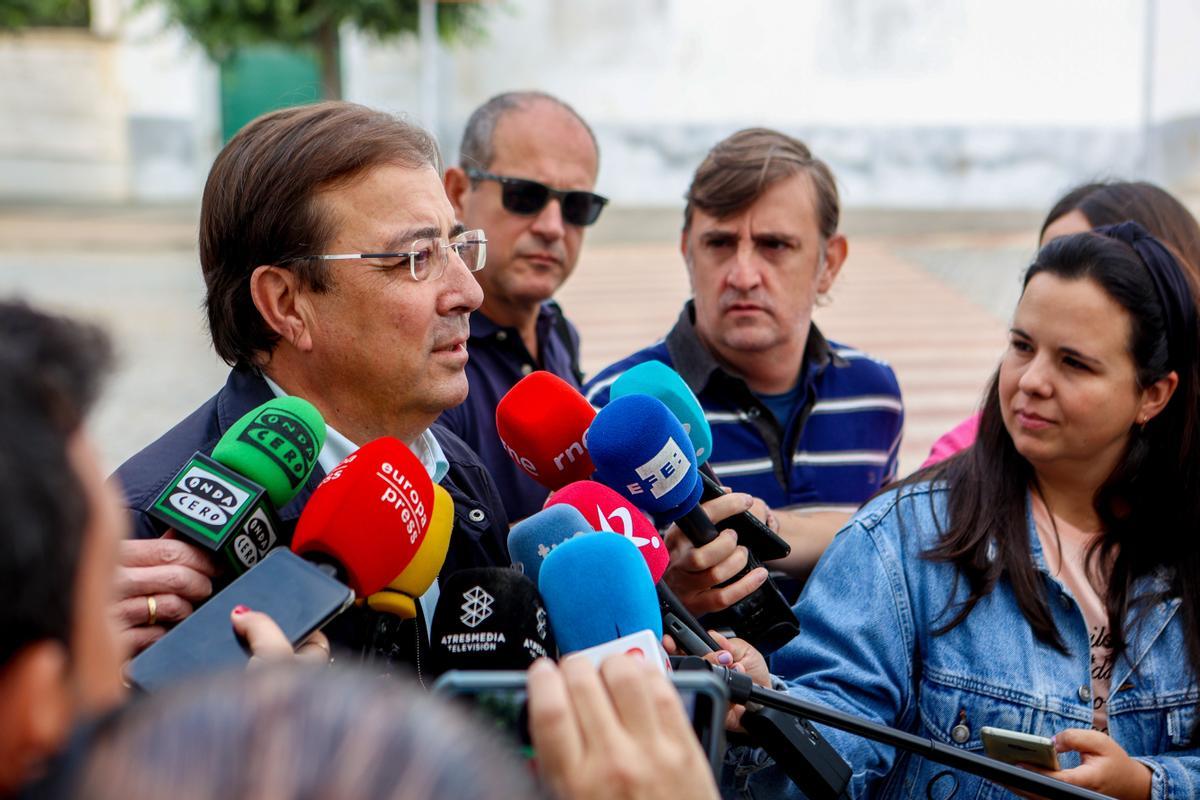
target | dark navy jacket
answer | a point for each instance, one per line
(498, 360)
(479, 537)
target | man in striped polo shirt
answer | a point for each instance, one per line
(809, 426)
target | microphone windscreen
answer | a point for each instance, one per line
(605, 510)
(542, 422)
(399, 596)
(639, 448)
(656, 379)
(489, 618)
(369, 515)
(596, 589)
(532, 539)
(275, 445)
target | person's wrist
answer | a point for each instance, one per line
(1145, 781)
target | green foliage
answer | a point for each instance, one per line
(223, 26)
(17, 14)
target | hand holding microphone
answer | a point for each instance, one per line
(641, 450)
(617, 732)
(620, 730)
(714, 576)
(158, 582)
(362, 527)
(223, 508)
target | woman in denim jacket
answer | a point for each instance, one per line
(1046, 580)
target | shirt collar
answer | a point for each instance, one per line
(337, 446)
(483, 326)
(697, 366)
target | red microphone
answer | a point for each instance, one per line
(605, 510)
(369, 516)
(542, 423)
(602, 507)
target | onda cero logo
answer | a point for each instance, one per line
(284, 438)
(206, 498)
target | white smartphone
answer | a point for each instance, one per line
(1013, 747)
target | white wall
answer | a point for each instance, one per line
(820, 62)
(913, 102)
(173, 106)
(62, 117)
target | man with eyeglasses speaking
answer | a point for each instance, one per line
(528, 164)
(336, 271)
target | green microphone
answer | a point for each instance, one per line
(226, 503)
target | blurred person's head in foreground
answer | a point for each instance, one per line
(1091, 205)
(288, 733)
(59, 657)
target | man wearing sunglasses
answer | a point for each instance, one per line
(527, 168)
(337, 271)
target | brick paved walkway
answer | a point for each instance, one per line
(942, 345)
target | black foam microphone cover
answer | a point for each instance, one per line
(489, 618)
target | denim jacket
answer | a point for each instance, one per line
(866, 647)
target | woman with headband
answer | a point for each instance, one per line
(1083, 208)
(1047, 579)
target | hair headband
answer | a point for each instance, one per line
(1170, 284)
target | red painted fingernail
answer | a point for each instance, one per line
(240, 609)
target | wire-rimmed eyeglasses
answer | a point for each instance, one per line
(428, 258)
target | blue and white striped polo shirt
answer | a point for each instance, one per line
(838, 447)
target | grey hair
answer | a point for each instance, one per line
(476, 149)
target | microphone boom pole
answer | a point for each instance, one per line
(742, 689)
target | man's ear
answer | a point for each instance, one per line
(37, 698)
(280, 299)
(457, 185)
(687, 260)
(836, 250)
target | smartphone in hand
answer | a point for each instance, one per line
(1014, 747)
(296, 594)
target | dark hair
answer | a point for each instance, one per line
(478, 145)
(1155, 488)
(260, 207)
(291, 732)
(1156, 210)
(50, 374)
(741, 167)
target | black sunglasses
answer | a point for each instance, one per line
(525, 197)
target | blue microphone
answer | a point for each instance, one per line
(536, 536)
(640, 449)
(657, 380)
(596, 589)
